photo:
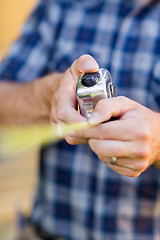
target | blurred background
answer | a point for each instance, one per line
(12, 16)
(18, 174)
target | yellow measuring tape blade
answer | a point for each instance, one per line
(17, 139)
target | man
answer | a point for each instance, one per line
(80, 197)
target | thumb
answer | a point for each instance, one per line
(84, 64)
(111, 107)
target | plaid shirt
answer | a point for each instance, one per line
(78, 196)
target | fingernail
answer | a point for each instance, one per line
(95, 119)
(91, 64)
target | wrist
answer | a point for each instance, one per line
(43, 90)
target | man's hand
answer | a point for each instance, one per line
(48, 99)
(64, 101)
(133, 138)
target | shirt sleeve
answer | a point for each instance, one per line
(28, 57)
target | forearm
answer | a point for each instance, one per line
(27, 103)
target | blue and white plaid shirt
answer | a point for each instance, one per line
(79, 197)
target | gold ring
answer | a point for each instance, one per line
(113, 160)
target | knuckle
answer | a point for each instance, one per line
(61, 113)
(142, 165)
(143, 152)
(101, 131)
(143, 133)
